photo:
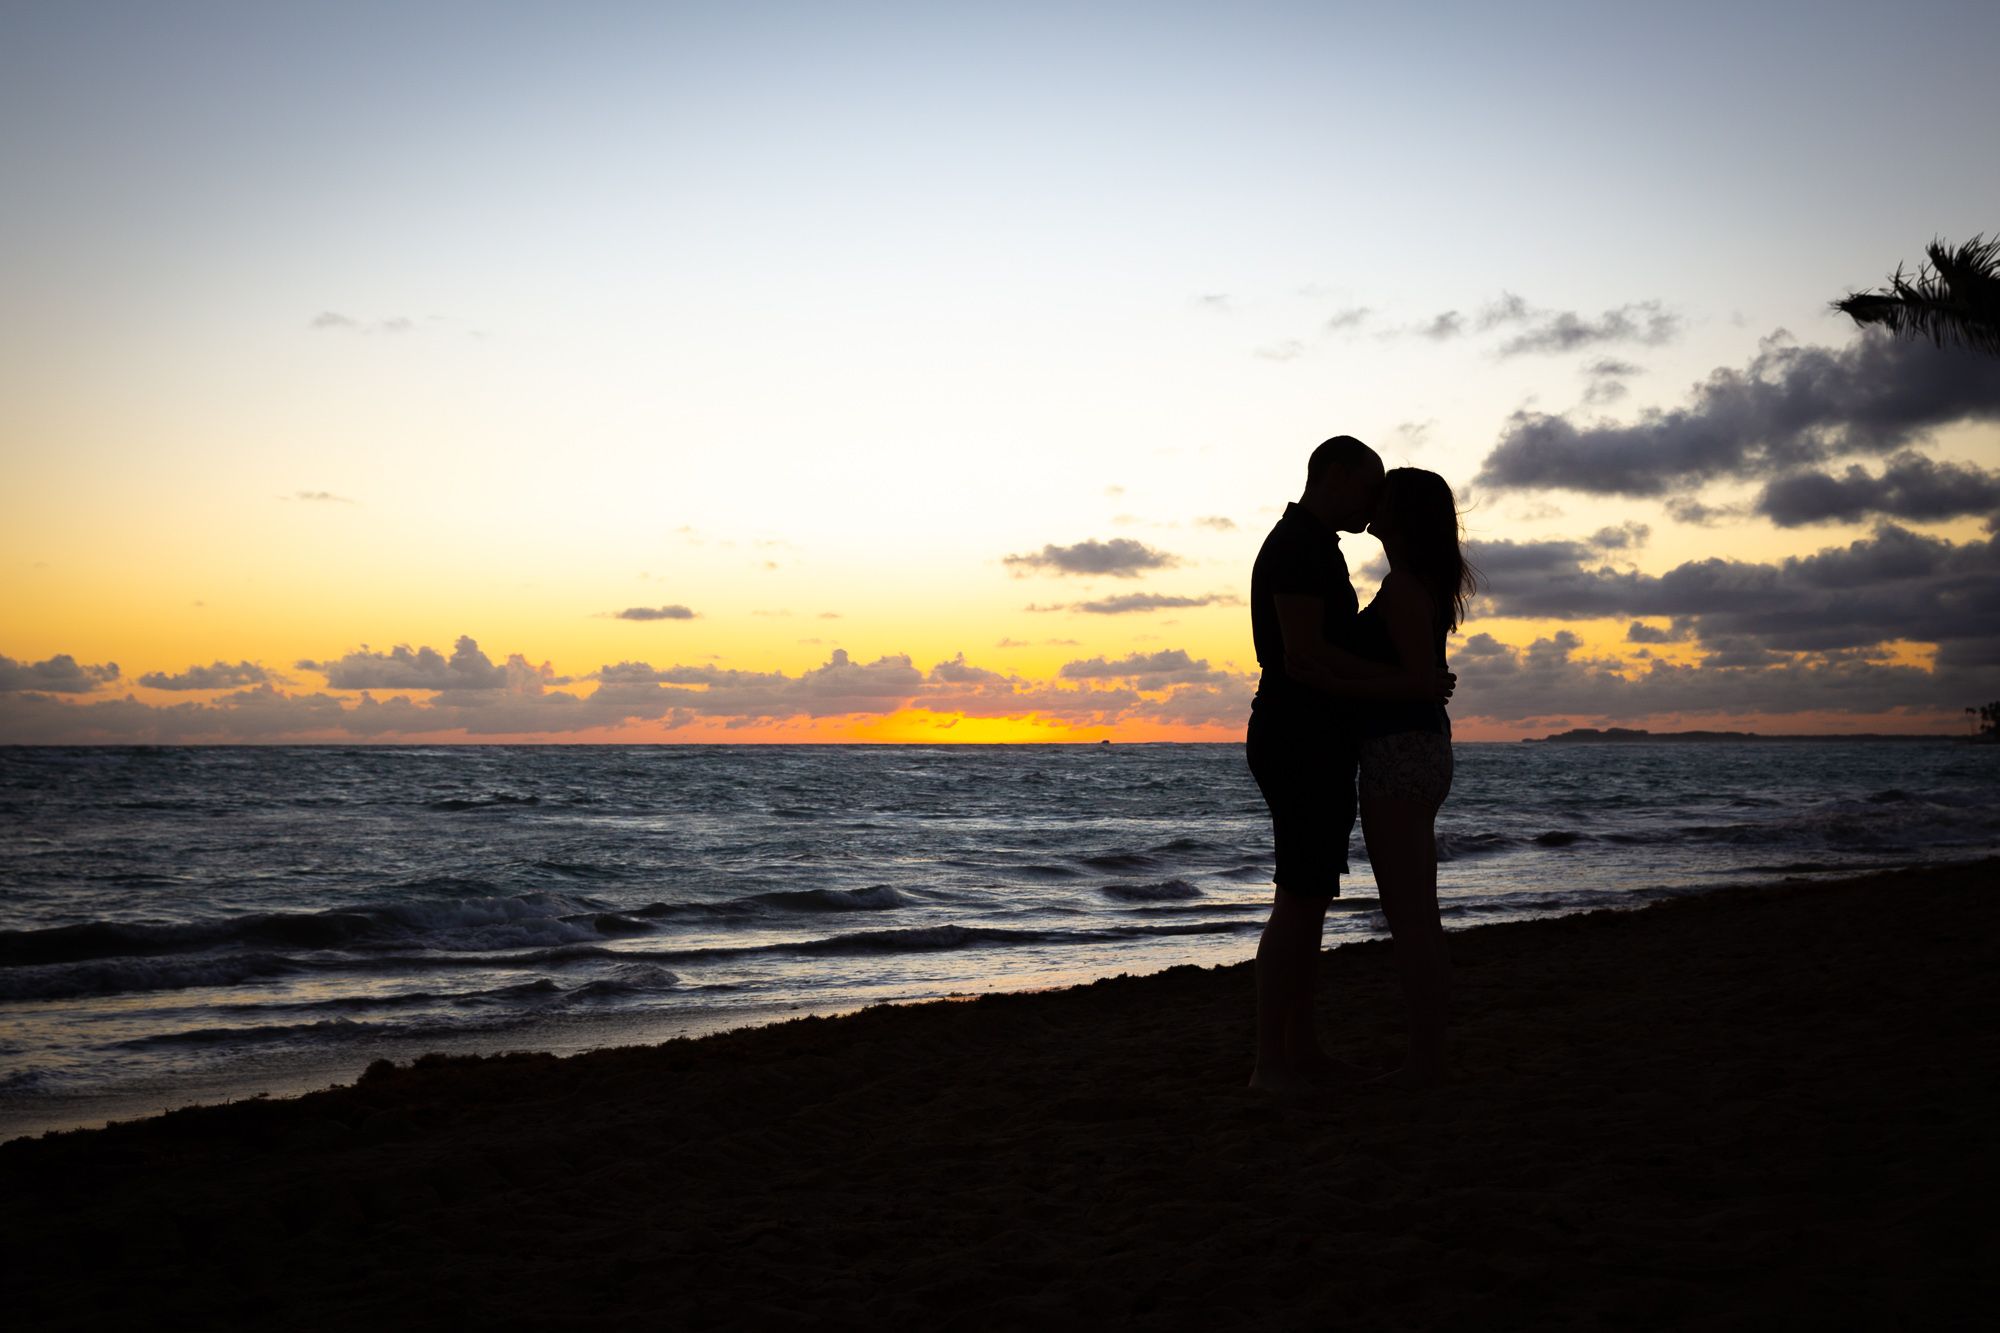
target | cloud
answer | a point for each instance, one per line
(1127, 603)
(323, 496)
(1442, 327)
(1553, 677)
(1219, 302)
(1508, 309)
(641, 673)
(1640, 632)
(402, 668)
(60, 674)
(1121, 557)
(1168, 686)
(333, 320)
(220, 676)
(1790, 407)
(1349, 318)
(1216, 521)
(1686, 509)
(960, 672)
(1415, 434)
(659, 613)
(1909, 487)
(1291, 349)
(1145, 670)
(1606, 379)
(1625, 536)
(1643, 322)
(1537, 512)
(1893, 585)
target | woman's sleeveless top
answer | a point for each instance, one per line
(1386, 717)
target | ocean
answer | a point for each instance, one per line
(184, 924)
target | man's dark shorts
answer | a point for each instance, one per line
(1305, 768)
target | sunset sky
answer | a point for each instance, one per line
(632, 372)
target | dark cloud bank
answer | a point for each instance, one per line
(1806, 633)
(1780, 420)
(475, 697)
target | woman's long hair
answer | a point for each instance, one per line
(1421, 512)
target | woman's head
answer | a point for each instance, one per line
(1418, 525)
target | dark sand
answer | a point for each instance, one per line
(1762, 1108)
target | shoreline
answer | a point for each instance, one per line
(289, 1074)
(1751, 1106)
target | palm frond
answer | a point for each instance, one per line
(1953, 298)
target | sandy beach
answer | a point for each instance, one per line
(1762, 1107)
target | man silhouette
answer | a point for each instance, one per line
(1301, 743)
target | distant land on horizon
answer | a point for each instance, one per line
(1592, 735)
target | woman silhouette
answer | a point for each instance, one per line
(1405, 746)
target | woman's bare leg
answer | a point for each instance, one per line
(1402, 848)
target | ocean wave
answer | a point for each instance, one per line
(611, 923)
(631, 979)
(1046, 872)
(933, 939)
(1115, 861)
(1187, 844)
(874, 898)
(522, 921)
(63, 981)
(498, 800)
(319, 1029)
(563, 955)
(1458, 846)
(538, 989)
(27, 1082)
(1165, 890)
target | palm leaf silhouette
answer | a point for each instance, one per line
(1953, 298)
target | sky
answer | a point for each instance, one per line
(887, 372)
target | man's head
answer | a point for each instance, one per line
(1343, 483)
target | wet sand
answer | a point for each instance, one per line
(1763, 1107)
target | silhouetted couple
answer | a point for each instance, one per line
(1347, 689)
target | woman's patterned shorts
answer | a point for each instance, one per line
(1406, 766)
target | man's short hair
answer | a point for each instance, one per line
(1343, 452)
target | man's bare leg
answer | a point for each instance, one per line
(1288, 1056)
